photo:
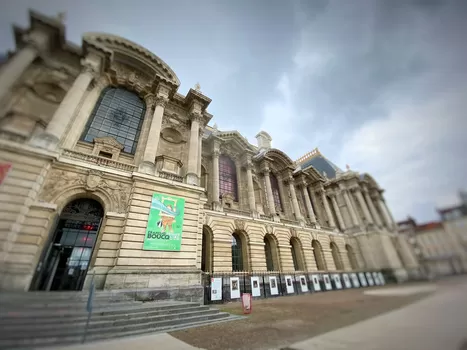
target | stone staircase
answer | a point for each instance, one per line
(46, 319)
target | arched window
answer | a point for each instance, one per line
(237, 253)
(269, 252)
(227, 177)
(337, 257)
(351, 256)
(119, 113)
(296, 254)
(206, 252)
(318, 254)
(275, 192)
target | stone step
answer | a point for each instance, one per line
(26, 342)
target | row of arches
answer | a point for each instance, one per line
(240, 253)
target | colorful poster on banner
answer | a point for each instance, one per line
(289, 284)
(355, 282)
(216, 288)
(273, 285)
(315, 281)
(376, 278)
(4, 170)
(327, 282)
(165, 223)
(337, 281)
(346, 279)
(381, 278)
(255, 289)
(234, 288)
(362, 278)
(303, 284)
(369, 279)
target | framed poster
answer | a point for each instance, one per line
(255, 289)
(216, 288)
(376, 278)
(327, 282)
(315, 281)
(337, 281)
(165, 223)
(354, 278)
(234, 288)
(369, 279)
(289, 284)
(303, 284)
(4, 170)
(362, 278)
(381, 278)
(273, 285)
(346, 279)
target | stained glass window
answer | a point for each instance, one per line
(227, 177)
(237, 258)
(119, 113)
(275, 192)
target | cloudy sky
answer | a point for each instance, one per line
(378, 85)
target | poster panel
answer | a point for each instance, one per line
(234, 288)
(376, 278)
(165, 223)
(216, 288)
(346, 279)
(273, 285)
(381, 278)
(337, 280)
(255, 289)
(327, 282)
(303, 284)
(315, 281)
(246, 303)
(369, 279)
(289, 284)
(362, 278)
(355, 282)
(4, 170)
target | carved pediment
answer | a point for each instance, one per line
(108, 141)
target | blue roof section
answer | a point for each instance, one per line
(322, 165)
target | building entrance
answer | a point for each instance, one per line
(66, 260)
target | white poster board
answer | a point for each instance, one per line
(381, 278)
(234, 288)
(315, 281)
(255, 289)
(289, 284)
(216, 288)
(337, 280)
(354, 278)
(346, 279)
(303, 284)
(376, 278)
(362, 278)
(327, 282)
(369, 279)
(273, 285)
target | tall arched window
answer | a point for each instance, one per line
(227, 176)
(237, 253)
(319, 256)
(119, 113)
(269, 250)
(351, 256)
(296, 254)
(336, 257)
(275, 192)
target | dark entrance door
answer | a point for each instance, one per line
(66, 261)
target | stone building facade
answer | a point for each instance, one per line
(89, 133)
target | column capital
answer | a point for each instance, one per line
(216, 153)
(36, 39)
(161, 101)
(149, 99)
(196, 116)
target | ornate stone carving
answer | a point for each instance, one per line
(269, 229)
(93, 180)
(239, 224)
(161, 101)
(293, 232)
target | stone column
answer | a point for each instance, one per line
(150, 152)
(353, 215)
(53, 133)
(251, 188)
(192, 175)
(373, 211)
(331, 221)
(309, 207)
(15, 67)
(267, 180)
(215, 179)
(150, 100)
(363, 205)
(293, 195)
(340, 220)
(238, 170)
(200, 152)
(385, 211)
(319, 211)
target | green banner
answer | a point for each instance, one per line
(165, 223)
